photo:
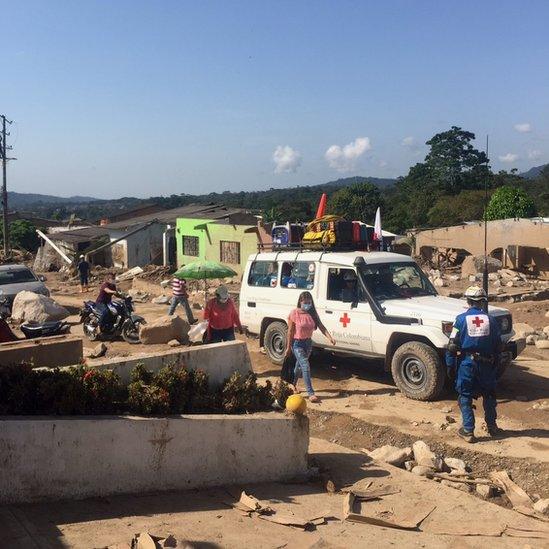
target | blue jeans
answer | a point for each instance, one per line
(184, 302)
(217, 336)
(104, 314)
(302, 351)
(476, 379)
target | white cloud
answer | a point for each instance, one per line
(534, 155)
(409, 142)
(525, 127)
(343, 159)
(286, 159)
(509, 158)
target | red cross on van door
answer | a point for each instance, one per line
(345, 320)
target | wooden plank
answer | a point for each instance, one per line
(517, 496)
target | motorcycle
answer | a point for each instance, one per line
(30, 330)
(122, 321)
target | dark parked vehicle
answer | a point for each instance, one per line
(16, 278)
(122, 322)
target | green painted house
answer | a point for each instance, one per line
(227, 235)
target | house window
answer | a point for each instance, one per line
(229, 252)
(190, 245)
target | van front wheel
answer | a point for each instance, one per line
(417, 371)
(274, 341)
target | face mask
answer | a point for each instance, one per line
(306, 307)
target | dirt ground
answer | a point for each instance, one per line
(360, 408)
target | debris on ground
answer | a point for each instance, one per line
(160, 300)
(387, 518)
(390, 454)
(164, 329)
(98, 351)
(138, 296)
(144, 540)
(128, 275)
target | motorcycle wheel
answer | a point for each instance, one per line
(91, 331)
(130, 332)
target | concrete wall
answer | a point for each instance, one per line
(218, 360)
(78, 457)
(142, 248)
(49, 352)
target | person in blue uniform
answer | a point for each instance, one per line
(474, 347)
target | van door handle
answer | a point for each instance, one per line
(328, 312)
(251, 304)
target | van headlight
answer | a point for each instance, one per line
(505, 324)
(447, 328)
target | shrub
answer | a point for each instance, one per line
(17, 389)
(147, 399)
(202, 400)
(59, 392)
(140, 373)
(281, 391)
(102, 389)
(243, 395)
(176, 381)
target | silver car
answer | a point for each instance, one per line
(16, 278)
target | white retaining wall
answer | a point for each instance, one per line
(218, 360)
(78, 457)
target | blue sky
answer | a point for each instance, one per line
(144, 98)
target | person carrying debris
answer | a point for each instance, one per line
(106, 291)
(180, 297)
(83, 273)
(222, 317)
(474, 347)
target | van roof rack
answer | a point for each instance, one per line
(300, 247)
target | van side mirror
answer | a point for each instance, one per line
(354, 304)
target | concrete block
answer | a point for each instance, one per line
(79, 457)
(218, 360)
(49, 352)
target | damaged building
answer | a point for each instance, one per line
(520, 244)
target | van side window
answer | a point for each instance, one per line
(343, 286)
(298, 274)
(263, 274)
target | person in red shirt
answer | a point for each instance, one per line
(222, 316)
(302, 322)
(106, 291)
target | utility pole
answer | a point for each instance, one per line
(4, 155)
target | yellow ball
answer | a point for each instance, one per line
(296, 404)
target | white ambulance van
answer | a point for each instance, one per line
(391, 311)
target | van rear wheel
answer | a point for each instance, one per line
(274, 341)
(417, 371)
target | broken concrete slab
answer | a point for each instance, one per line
(391, 454)
(423, 456)
(43, 352)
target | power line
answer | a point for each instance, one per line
(4, 148)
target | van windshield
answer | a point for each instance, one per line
(16, 275)
(396, 281)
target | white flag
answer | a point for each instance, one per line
(377, 226)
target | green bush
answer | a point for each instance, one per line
(242, 394)
(176, 381)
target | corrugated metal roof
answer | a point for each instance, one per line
(80, 235)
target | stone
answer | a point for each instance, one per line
(450, 419)
(161, 300)
(547, 314)
(456, 485)
(98, 351)
(496, 284)
(542, 506)
(409, 465)
(455, 464)
(439, 283)
(546, 330)
(473, 264)
(423, 456)
(164, 329)
(510, 284)
(391, 454)
(174, 343)
(485, 491)
(31, 307)
(138, 296)
(422, 471)
(531, 339)
(164, 283)
(542, 344)
(472, 278)
(523, 330)
(493, 276)
(197, 306)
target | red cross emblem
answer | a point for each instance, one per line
(345, 320)
(477, 321)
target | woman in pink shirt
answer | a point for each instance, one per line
(302, 322)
